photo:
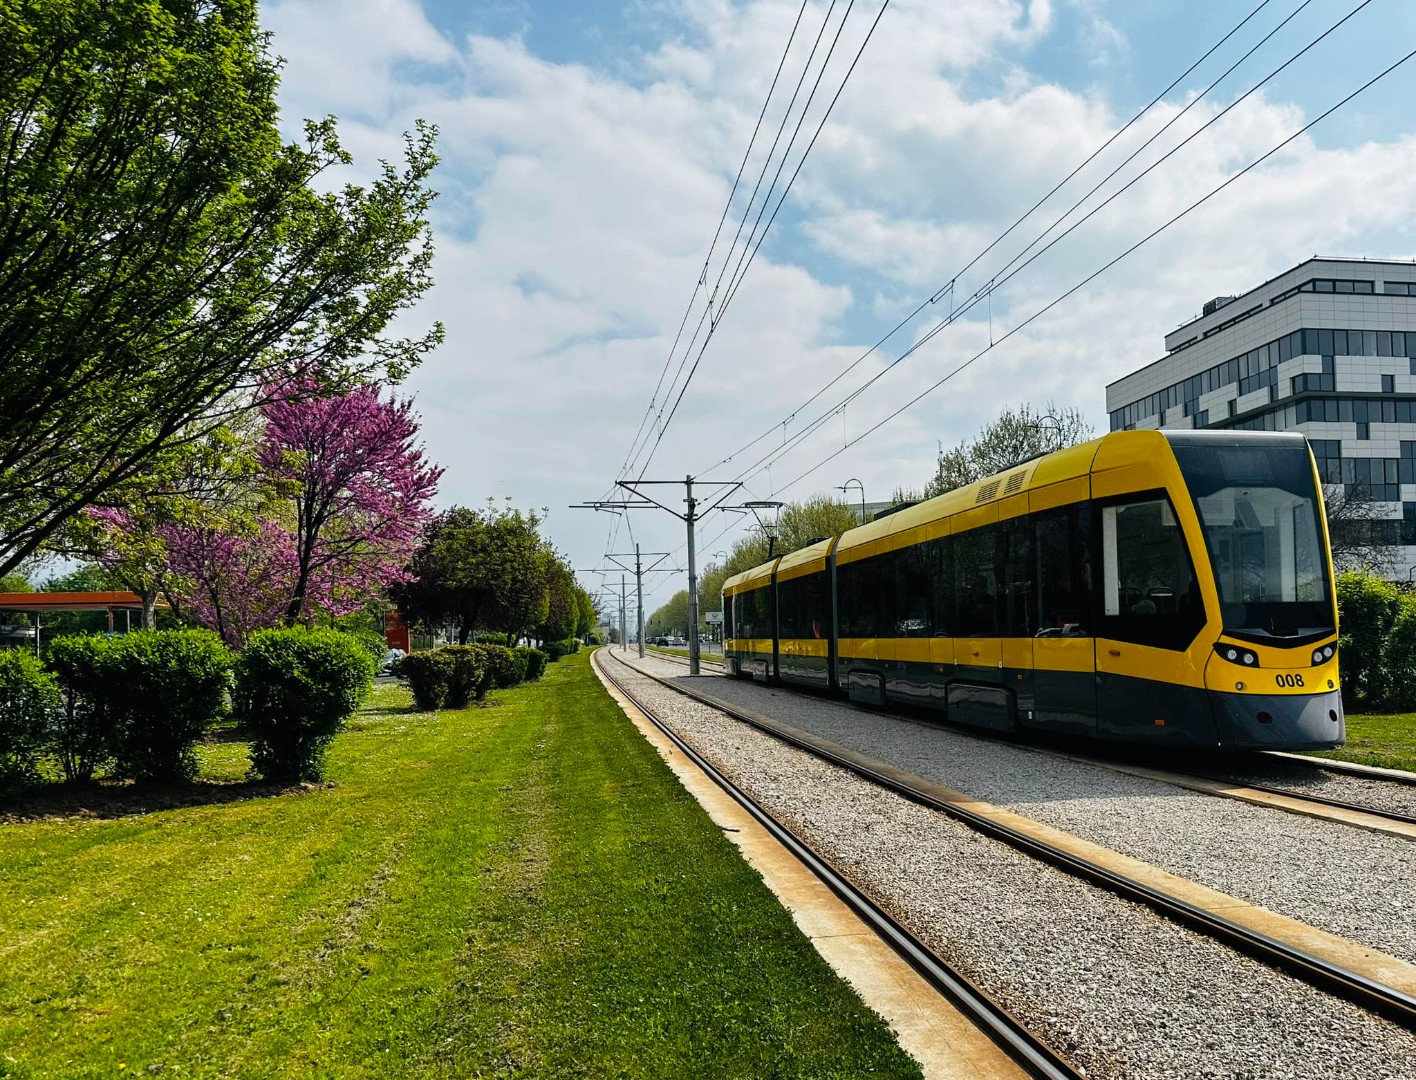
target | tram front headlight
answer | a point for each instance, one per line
(1327, 652)
(1317, 656)
(1249, 658)
(1231, 654)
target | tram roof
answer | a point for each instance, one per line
(748, 579)
(1070, 463)
(1048, 471)
(807, 560)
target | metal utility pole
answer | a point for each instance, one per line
(624, 642)
(639, 571)
(690, 518)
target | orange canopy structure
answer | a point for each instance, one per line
(69, 601)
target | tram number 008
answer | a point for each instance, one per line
(1289, 680)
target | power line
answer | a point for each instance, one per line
(998, 281)
(947, 287)
(703, 273)
(735, 286)
(1097, 273)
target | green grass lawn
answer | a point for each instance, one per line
(1386, 740)
(521, 890)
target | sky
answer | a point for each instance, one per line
(589, 151)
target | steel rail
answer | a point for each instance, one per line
(1347, 768)
(1352, 986)
(1031, 1053)
(1121, 766)
(1303, 796)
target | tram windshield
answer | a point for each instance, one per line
(1258, 504)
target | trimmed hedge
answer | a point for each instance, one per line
(29, 699)
(503, 668)
(556, 649)
(85, 735)
(1377, 645)
(491, 637)
(167, 687)
(536, 662)
(294, 690)
(429, 675)
(467, 670)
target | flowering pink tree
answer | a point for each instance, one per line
(233, 582)
(360, 485)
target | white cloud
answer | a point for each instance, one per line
(578, 204)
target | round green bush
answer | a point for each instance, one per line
(29, 699)
(502, 668)
(467, 669)
(85, 728)
(295, 689)
(429, 675)
(167, 688)
(536, 661)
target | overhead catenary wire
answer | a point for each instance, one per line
(717, 232)
(612, 533)
(947, 287)
(723, 308)
(997, 282)
(1097, 273)
(985, 293)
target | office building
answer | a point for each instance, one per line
(1327, 348)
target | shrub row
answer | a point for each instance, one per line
(136, 705)
(455, 675)
(1377, 646)
(556, 649)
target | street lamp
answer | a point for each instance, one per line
(858, 484)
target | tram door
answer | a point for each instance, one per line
(1064, 648)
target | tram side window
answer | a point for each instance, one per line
(867, 598)
(1150, 593)
(939, 556)
(818, 605)
(1016, 580)
(728, 630)
(913, 572)
(1064, 572)
(762, 613)
(802, 607)
(976, 582)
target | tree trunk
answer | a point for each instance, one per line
(463, 629)
(149, 600)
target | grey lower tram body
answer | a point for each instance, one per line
(1114, 708)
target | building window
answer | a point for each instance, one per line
(1408, 523)
(1364, 431)
(1388, 384)
(1234, 402)
(1328, 455)
(1398, 288)
(1202, 418)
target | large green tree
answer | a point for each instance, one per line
(1016, 435)
(478, 570)
(164, 255)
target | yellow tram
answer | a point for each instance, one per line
(1148, 586)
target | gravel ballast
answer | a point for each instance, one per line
(1358, 884)
(1116, 987)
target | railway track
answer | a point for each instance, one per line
(1321, 971)
(1359, 815)
(1033, 1055)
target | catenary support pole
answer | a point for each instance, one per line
(624, 641)
(692, 520)
(639, 586)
